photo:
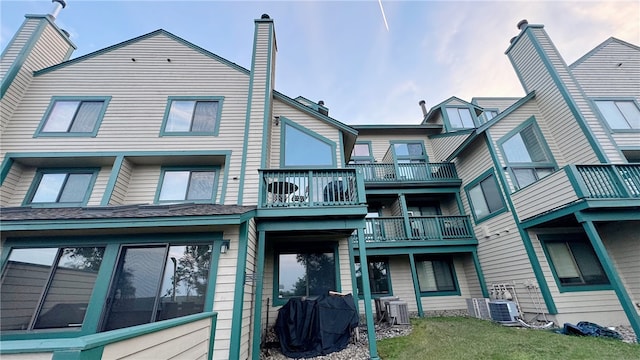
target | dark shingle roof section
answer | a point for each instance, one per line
(120, 212)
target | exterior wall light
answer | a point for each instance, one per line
(225, 246)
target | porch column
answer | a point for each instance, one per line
(612, 274)
(416, 285)
(354, 280)
(257, 310)
(476, 264)
(371, 329)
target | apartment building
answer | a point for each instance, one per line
(159, 200)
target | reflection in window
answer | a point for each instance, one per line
(575, 263)
(527, 157)
(75, 117)
(148, 286)
(187, 116)
(302, 149)
(378, 276)
(620, 115)
(485, 197)
(460, 118)
(187, 185)
(435, 275)
(57, 295)
(62, 187)
(306, 274)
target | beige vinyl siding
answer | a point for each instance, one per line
(496, 103)
(600, 76)
(10, 184)
(121, 187)
(268, 293)
(381, 145)
(456, 102)
(257, 113)
(22, 186)
(28, 356)
(551, 192)
(601, 307)
(188, 341)
(50, 49)
(445, 145)
(629, 140)
(470, 276)
(621, 238)
(249, 291)
(449, 207)
(143, 184)
(401, 281)
(561, 122)
(99, 186)
(10, 54)
(345, 267)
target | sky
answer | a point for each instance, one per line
(370, 61)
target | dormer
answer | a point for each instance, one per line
(454, 115)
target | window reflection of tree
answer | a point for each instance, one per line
(319, 276)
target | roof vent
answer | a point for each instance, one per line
(423, 104)
(57, 6)
(265, 16)
(522, 24)
(322, 109)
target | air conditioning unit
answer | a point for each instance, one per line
(381, 305)
(399, 313)
(503, 311)
(479, 308)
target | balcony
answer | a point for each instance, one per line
(419, 230)
(310, 188)
(389, 173)
(596, 185)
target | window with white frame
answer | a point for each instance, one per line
(67, 116)
(527, 156)
(192, 116)
(435, 275)
(63, 187)
(620, 114)
(485, 197)
(460, 118)
(573, 261)
(187, 185)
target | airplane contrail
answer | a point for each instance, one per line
(383, 16)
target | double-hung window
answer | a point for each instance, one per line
(407, 153)
(436, 276)
(192, 116)
(61, 187)
(306, 273)
(527, 155)
(379, 280)
(574, 263)
(187, 185)
(460, 118)
(485, 197)
(70, 116)
(620, 114)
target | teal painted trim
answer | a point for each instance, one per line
(394, 189)
(140, 38)
(113, 179)
(530, 122)
(343, 159)
(35, 184)
(452, 268)
(93, 315)
(96, 126)
(438, 108)
(487, 174)
(212, 336)
(603, 119)
(524, 235)
(459, 203)
(517, 38)
(450, 134)
(5, 168)
(479, 273)
(447, 123)
(96, 340)
(384, 260)
(399, 247)
(610, 269)
(167, 111)
(74, 154)
(67, 56)
(163, 171)
(284, 122)
(364, 158)
(444, 249)
(257, 308)
(396, 157)
(97, 240)
(371, 333)
(630, 214)
(225, 178)
(90, 354)
(238, 297)
(268, 103)
(354, 279)
(300, 225)
(117, 223)
(307, 110)
(14, 38)
(416, 285)
(405, 214)
(52, 22)
(575, 111)
(213, 273)
(17, 64)
(247, 120)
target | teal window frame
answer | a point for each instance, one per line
(370, 260)
(424, 158)
(483, 118)
(167, 111)
(37, 179)
(452, 271)
(449, 125)
(191, 169)
(567, 239)
(284, 122)
(112, 244)
(291, 249)
(54, 99)
(477, 182)
(615, 100)
(362, 159)
(512, 167)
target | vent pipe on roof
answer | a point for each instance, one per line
(522, 24)
(422, 104)
(57, 6)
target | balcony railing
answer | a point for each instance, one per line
(407, 172)
(577, 182)
(389, 229)
(311, 188)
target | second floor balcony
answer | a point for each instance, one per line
(418, 172)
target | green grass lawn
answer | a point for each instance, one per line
(469, 338)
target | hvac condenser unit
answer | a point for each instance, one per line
(479, 308)
(503, 311)
(398, 312)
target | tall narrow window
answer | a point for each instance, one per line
(527, 156)
(73, 117)
(620, 114)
